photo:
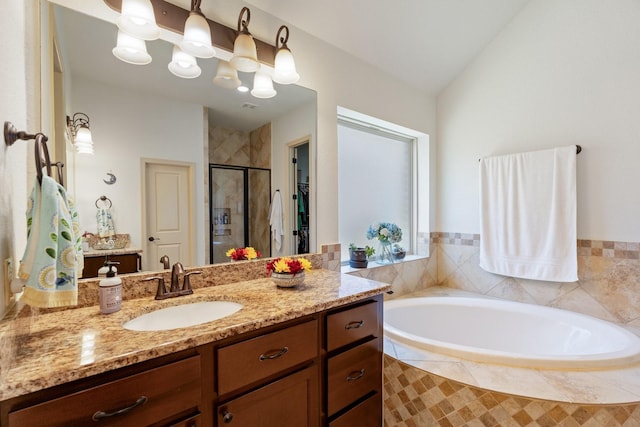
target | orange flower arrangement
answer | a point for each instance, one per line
(239, 254)
(288, 265)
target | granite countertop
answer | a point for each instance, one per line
(41, 350)
(103, 252)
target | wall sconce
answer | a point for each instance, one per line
(226, 76)
(245, 54)
(285, 67)
(131, 50)
(262, 85)
(197, 34)
(183, 64)
(138, 19)
(80, 132)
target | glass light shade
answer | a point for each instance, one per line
(285, 67)
(245, 56)
(226, 76)
(138, 20)
(262, 85)
(131, 50)
(83, 141)
(197, 37)
(183, 65)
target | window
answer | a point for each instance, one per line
(376, 182)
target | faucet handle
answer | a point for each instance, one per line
(162, 290)
(186, 284)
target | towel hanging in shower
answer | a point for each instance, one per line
(276, 220)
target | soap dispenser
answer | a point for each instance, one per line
(102, 271)
(110, 291)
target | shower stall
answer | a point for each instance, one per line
(239, 201)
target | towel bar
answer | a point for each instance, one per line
(578, 150)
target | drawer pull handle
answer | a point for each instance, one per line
(227, 417)
(354, 325)
(355, 375)
(101, 414)
(274, 355)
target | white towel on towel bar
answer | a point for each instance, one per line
(528, 215)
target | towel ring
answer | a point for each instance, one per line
(104, 199)
(42, 154)
(59, 166)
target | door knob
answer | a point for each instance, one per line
(151, 239)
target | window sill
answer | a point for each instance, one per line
(345, 268)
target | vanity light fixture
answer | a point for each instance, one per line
(226, 76)
(203, 38)
(183, 64)
(80, 133)
(138, 19)
(197, 34)
(285, 67)
(131, 50)
(262, 85)
(245, 54)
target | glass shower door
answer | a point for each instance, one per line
(227, 211)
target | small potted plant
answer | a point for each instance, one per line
(287, 272)
(359, 256)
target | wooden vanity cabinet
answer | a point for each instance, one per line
(322, 369)
(354, 365)
(128, 263)
(271, 379)
(166, 395)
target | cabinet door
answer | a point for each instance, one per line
(289, 402)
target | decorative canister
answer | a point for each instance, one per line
(286, 280)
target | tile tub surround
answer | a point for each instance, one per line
(415, 398)
(427, 388)
(41, 350)
(607, 285)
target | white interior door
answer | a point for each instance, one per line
(168, 215)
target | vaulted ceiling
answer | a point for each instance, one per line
(425, 43)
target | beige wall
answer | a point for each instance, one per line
(19, 77)
(562, 72)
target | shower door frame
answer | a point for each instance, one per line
(245, 176)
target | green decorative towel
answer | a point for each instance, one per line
(106, 230)
(53, 256)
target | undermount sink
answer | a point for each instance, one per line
(182, 316)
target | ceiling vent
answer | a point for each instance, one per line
(249, 105)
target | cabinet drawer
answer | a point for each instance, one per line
(168, 390)
(347, 326)
(365, 414)
(252, 360)
(353, 374)
(289, 402)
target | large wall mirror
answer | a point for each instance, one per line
(152, 129)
